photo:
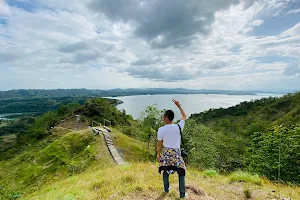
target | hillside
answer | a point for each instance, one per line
(249, 136)
(60, 155)
(64, 169)
(258, 115)
(39, 105)
(60, 163)
(142, 181)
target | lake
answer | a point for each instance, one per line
(11, 116)
(191, 103)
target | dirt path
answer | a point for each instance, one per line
(110, 145)
(77, 122)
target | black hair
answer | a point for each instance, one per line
(169, 114)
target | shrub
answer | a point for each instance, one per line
(245, 177)
(247, 193)
(210, 173)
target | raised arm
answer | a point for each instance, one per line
(183, 115)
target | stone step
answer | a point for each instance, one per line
(112, 149)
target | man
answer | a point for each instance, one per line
(170, 159)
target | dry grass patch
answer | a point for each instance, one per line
(7, 141)
(142, 181)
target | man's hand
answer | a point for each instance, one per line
(176, 102)
(183, 115)
(158, 157)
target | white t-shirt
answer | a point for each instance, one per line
(170, 134)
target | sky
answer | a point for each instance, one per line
(104, 44)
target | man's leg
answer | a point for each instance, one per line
(181, 186)
(166, 181)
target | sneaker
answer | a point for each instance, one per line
(185, 197)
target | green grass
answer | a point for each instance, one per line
(240, 176)
(77, 165)
(53, 159)
(132, 149)
(210, 173)
(63, 154)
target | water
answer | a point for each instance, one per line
(192, 103)
(7, 116)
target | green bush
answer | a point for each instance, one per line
(202, 145)
(100, 109)
(240, 176)
(210, 173)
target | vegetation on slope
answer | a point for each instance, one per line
(55, 163)
(55, 157)
(32, 129)
(248, 136)
(243, 137)
(90, 173)
(43, 153)
(36, 105)
(254, 116)
(264, 153)
(16, 126)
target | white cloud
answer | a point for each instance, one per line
(69, 46)
(4, 9)
(291, 12)
(257, 22)
(294, 31)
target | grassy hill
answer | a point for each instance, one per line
(59, 163)
(142, 181)
(60, 155)
(77, 165)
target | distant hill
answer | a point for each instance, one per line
(255, 115)
(39, 93)
(36, 106)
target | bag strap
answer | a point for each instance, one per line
(182, 142)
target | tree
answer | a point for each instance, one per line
(264, 153)
(202, 144)
(150, 121)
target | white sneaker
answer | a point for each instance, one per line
(186, 196)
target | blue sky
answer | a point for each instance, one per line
(102, 44)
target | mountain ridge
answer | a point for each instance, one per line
(43, 93)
